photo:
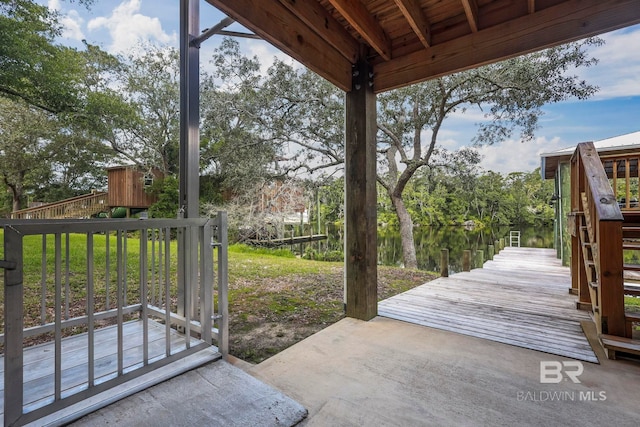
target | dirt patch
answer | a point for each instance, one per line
(268, 315)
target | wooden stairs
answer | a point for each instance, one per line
(631, 242)
(85, 206)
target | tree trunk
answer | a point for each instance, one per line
(406, 233)
(16, 195)
(15, 201)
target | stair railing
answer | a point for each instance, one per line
(596, 229)
(76, 207)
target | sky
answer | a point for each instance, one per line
(119, 25)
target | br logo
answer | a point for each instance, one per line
(553, 372)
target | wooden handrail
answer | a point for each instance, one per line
(601, 191)
(74, 207)
(597, 254)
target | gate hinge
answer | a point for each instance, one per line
(7, 265)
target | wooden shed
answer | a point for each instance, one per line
(128, 187)
(620, 151)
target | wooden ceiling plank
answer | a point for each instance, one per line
(321, 21)
(565, 22)
(365, 24)
(272, 21)
(532, 6)
(471, 10)
(417, 20)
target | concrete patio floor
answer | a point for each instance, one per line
(387, 372)
(390, 373)
(217, 394)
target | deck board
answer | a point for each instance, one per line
(39, 360)
(520, 298)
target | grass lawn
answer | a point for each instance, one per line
(275, 299)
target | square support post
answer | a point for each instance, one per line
(13, 327)
(360, 254)
(189, 108)
(610, 280)
(189, 198)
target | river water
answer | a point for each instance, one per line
(431, 240)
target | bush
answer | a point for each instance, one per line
(329, 256)
(243, 249)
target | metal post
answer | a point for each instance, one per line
(13, 326)
(318, 214)
(444, 263)
(189, 142)
(189, 108)
(206, 281)
(223, 286)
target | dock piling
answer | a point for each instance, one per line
(479, 258)
(444, 263)
(466, 260)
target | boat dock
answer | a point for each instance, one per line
(520, 298)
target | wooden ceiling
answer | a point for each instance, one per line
(408, 41)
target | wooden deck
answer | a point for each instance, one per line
(520, 298)
(39, 365)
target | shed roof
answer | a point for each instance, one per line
(622, 144)
(409, 41)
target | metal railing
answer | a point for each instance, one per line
(99, 278)
(83, 206)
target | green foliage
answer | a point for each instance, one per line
(234, 148)
(329, 255)
(148, 128)
(167, 192)
(211, 188)
(25, 148)
(632, 303)
(33, 68)
(59, 102)
(439, 197)
(332, 201)
(240, 248)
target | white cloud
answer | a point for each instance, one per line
(266, 54)
(54, 5)
(128, 28)
(516, 156)
(470, 113)
(618, 71)
(71, 21)
(72, 26)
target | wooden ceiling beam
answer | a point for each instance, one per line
(417, 20)
(532, 6)
(565, 22)
(471, 10)
(276, 24)
(321, 21)
(365, 24)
